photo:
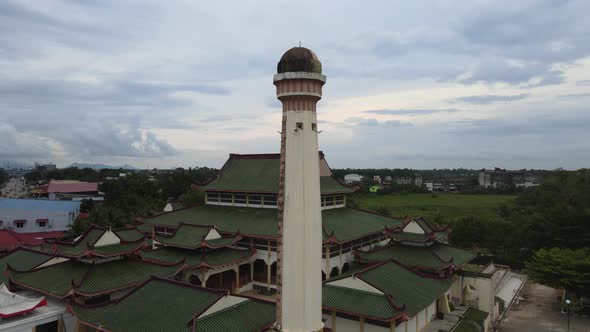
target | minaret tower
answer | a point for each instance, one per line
(299, 82)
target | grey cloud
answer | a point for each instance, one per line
(500, 71)
(411, 112)
(558, 128)
(489, 99)
(15, 145)
(583, 83)
(574, 95)
(357, 121)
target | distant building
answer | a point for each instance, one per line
(353, 178)
(429, 186)
(69, 190)
(437, 186)
(377, 178)
(500, 178)
(418, 180)
(37, 215)
(403, 180)
(45, 167)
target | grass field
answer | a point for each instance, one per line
(448, 206)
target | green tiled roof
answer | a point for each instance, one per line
(194, 258)
(57, 280)
(192, 236)
(260, 173)
(159, 305)
(437, 256)
(21, 259)
(459, 256)
(346, 223)
(129, 234)
(261, 222)
(407, 236)
(117, 249)
(471, 315)
(247, 316)
(415, 256)
(406, 287)
(84, 245)
(85, 241)
(356, 301)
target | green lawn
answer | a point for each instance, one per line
(448, 206)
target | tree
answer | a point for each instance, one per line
(3, 176)
(562, 268)
(192, 197)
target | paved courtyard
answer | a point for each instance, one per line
(540, 311)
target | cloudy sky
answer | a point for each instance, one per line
(421, 84)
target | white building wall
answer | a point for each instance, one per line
(57, 221)
(484, 291)
(412, 324)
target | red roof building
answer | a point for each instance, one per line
(10, 240)
(72, 187)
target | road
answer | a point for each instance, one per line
(15, 187)
(540, 311)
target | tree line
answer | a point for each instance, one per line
(546, 231)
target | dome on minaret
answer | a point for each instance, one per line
(299, 59)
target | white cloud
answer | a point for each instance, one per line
(183, 83)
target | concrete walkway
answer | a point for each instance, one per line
(540, 311)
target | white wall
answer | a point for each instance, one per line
(57, 221)
(483, 288)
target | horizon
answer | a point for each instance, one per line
(457, 86)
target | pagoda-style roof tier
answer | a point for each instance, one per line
(99, 242)
(386, 292)
(167, 305)
(209, 259)
(339, 225)
(418, 230)
(22, 259)
(12, 304)
(190, 236)
(436, 257)
(259, 173)
(71, 277)
(471, 321)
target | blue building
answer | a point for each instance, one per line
(36, 215)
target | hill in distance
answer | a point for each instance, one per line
(101, 166)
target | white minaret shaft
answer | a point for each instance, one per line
(299, 307)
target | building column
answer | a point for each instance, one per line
(251, 271)
(340, 260)
(328, 267)
(392, 326)
(362, 322)
(237, 270)
(204, 278)
(268, 269)
(333, 321)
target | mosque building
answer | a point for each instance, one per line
(273, 247)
